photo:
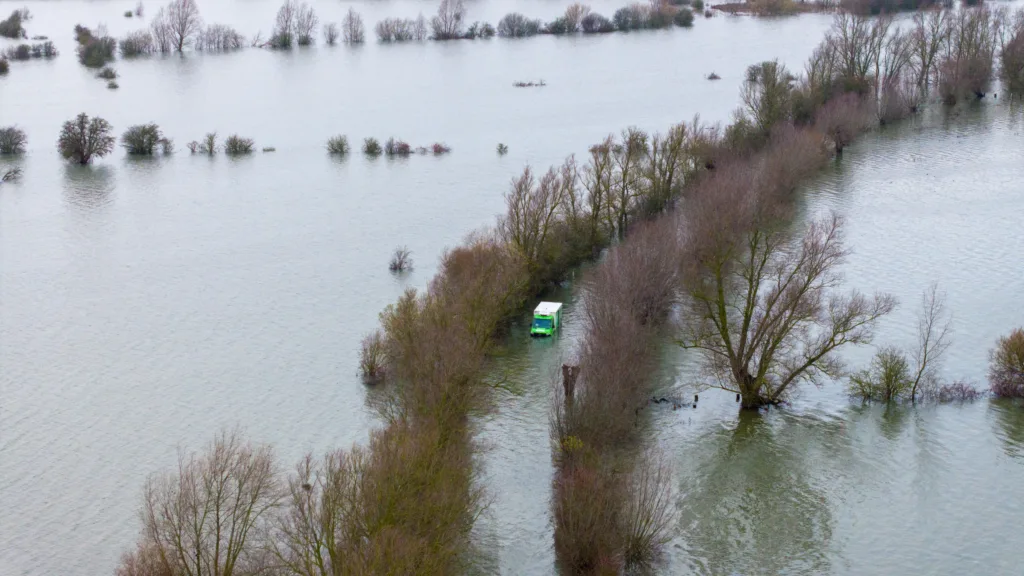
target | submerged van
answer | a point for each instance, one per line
(547, 317)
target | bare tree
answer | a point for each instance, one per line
(331, 33)
(574, 16)
(306, 22)
(352, 31)
(310, 537)
(183, 22)
(648, 514)
(447, 24)
(929, 36)
(161, 31)
(934, 335)
(204, 518)
(284, 25)
(764, 313)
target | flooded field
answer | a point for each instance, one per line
(144, 305)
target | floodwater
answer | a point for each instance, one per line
(827, 485)
(144, 305)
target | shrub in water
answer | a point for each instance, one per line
(515, 25)
(83, 138)
(208, 145)
(338, 145)
(220, 38)
(97, 52)
(113, 85)
(236, 145)
(684, 18)
(397, 148)
(20, 52)
(128, 14)
(12, 140)
(502, 149)
(698, 5)
(138, 43)
(594, 23)
(1006, 366)
(632, 17)
(107, 73)
(439, 148)
(401, 260)
(11, 27)
(371, 147)
(143, 140)
(5, 66)
(372, 358)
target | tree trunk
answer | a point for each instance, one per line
(750, 393)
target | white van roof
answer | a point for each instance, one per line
(547, 308)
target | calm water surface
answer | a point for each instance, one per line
(146, 304)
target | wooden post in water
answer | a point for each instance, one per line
(569, 374)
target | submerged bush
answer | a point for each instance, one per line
(372, 358)
(595, 23)
(401, 260)
(83, 138)
(502, 149)
(684, 18)
(138, 43)
(371, 147)
(11, 27)
(338, 145)
(235, 145)
(97, 52)
(220, 38)
(632, 17)
(207, 146)
(144, 140)
(515, 25)
(107, 73)
(401, 30)
(397, 148)
(1006, 366)
(12, 140)
(5, 66)
(113, 85)
(439, 148)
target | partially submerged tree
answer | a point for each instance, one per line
(331, 33)
(183, 23)
(306, 22)
(145, 140)
(1006, 366)
(447, 24)
(764, 311)
(12, 26)
(284, 26)
(352, 31)
(83, 138)
(236, 145)
(12, 140)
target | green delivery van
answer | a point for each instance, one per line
(547, 317)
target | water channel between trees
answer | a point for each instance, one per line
(144, 305)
